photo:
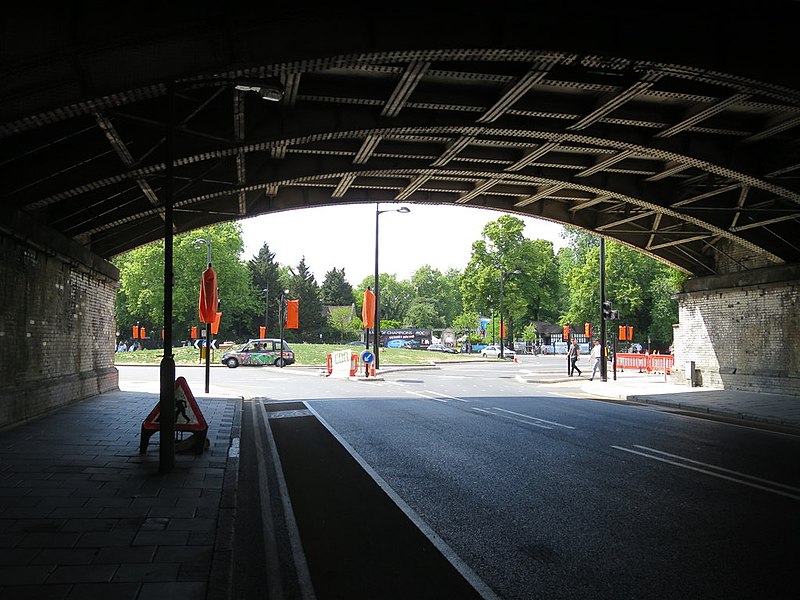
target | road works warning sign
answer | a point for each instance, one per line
(188, 417)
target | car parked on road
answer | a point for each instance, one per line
(263, 351)
(493, 351)
(442, 348)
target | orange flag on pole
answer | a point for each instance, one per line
(368, 309)
(215, 324)
(292, 314)
(208, 297)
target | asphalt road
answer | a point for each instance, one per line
(544, 495)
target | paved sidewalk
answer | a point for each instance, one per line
(782, 410)
(83, 515)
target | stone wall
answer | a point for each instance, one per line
(741, 330)
(56, 321)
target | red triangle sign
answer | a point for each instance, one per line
(188, 416)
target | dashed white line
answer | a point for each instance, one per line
(441, 395)
(427, 397)
(535, 418)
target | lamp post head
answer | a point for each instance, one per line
(207, 243)
(403, 210)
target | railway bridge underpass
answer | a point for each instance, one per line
(675, 131)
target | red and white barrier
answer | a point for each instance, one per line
(343, 363)
(645, 363)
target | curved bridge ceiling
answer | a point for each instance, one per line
(676, 135)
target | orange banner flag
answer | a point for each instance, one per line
(292, 314)
(368, 309)
(207, 304)
(215, 324)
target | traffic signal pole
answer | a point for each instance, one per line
(603, 363)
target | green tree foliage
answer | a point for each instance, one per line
(142, 282)
(396, 297)
(343, 324)
(266, 275)
(423, 314)
(312, 322)
(638, 286)
(528, 270)
(439, 290)
(336, 291)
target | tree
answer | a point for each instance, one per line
(638, 286)
(303, 287)
(142, 282)
(265, 273)
(440, 291)
(422, 314)
(528, 270)
(342, 321)
(336, 291)
(395, 297)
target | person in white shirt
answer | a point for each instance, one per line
(597, 355)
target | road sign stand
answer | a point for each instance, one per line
(188, 418)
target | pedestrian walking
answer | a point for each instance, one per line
(597, 356)
(573, 354)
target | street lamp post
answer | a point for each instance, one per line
(603, 365)
(270, 89)
(377, 333)
(502, 280)
(266, 308)
(282, 319)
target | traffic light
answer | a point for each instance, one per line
(607, 310)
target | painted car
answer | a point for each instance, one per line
(258, 352)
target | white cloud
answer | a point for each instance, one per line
(344, 237)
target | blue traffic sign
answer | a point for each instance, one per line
(367, 357)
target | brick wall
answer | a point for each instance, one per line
(741, 330)
(56, 323)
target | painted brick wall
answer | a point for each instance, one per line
(56, 328)
(742, 333)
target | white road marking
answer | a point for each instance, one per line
(535, 418)
(421, 395)
(441, 395)
(712, 473)
(535, 424)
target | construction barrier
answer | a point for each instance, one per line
(645, 363)
(343, 363)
